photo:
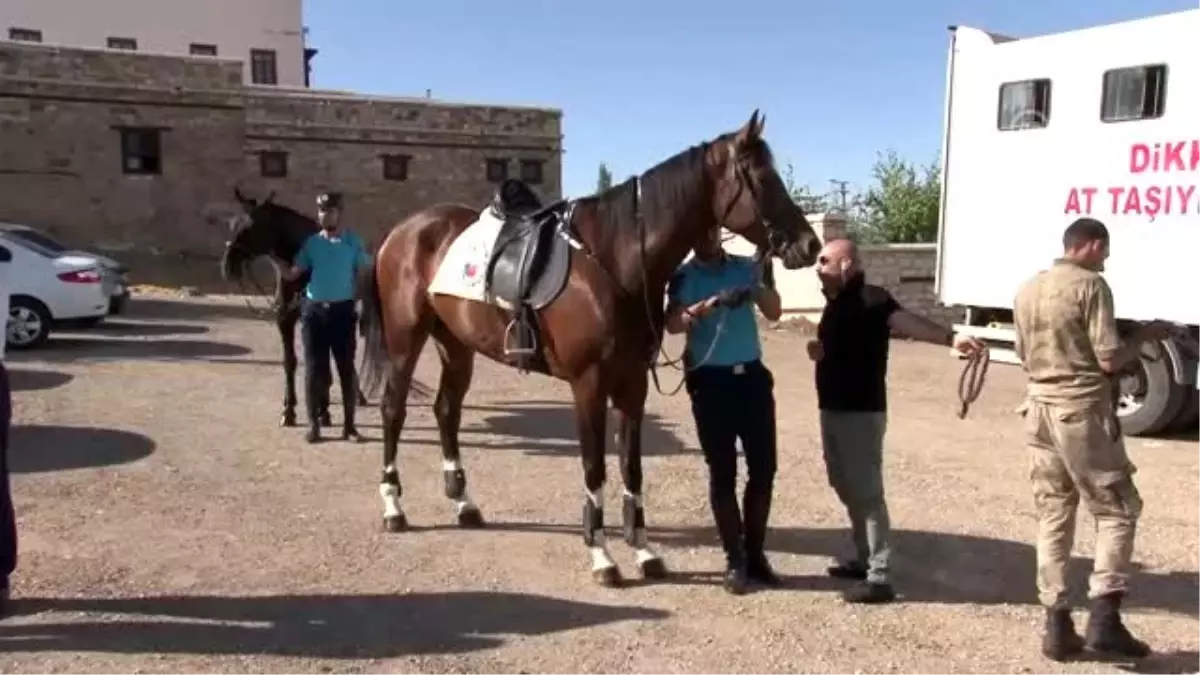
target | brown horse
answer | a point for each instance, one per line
(600, 328)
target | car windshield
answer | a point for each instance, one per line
(29, 245)
(39, 238)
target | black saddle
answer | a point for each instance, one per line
(529, 265)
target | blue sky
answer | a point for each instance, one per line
(640, 80)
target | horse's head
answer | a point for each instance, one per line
(750, 198)
(262, 228)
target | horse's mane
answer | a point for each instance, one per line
(666, 188)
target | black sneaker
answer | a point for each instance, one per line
(735, 580)
(849, 569)
(869, 594)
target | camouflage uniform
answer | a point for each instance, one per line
(1065, 325)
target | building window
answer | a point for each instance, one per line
(141, 151)
(1024, 105)
(122, 43)
(24, 35)
(202, 49)
(531, 171)
(262, 66)
(1137, 93)
(497, 170)
(395, 167)
(273, 163)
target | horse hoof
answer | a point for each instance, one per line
(395, 524)
(653, 568)
(608, 577)
(287, 420)
(470, 517)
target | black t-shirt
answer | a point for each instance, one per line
(854, 332)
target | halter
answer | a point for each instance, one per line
(774, 236)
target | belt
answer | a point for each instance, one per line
(735, 369)
(326, 304)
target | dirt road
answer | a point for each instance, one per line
(168, 524)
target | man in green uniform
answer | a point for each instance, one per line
(1068, 344)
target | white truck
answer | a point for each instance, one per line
(1101, 122)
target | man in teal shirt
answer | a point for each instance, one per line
(712, 299)
(332, 258)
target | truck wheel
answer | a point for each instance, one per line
(1150, 398)
(1189, 413)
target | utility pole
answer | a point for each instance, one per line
(841, 191)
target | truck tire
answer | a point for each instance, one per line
(1189, 414)
(1150, 397)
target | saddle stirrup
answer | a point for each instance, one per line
(522, 333)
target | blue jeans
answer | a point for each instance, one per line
(8, 520)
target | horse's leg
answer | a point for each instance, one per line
(285, 321)
(629, 400)
(393, 409)
(458, 364)
(591, 411)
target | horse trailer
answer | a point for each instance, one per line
(1101, 122)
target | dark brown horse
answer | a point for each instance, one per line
(267, 228)
(601, 329)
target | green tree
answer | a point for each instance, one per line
(902, 205)
(803, 195)
(604, 180)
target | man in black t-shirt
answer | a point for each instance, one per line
(851, 353)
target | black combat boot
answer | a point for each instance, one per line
(1060, 640)
(314, 432)
(1106, 632)
(756, 506)
(729, 527)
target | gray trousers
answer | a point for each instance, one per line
(853, 444)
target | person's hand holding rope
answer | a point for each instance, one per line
(974, 373)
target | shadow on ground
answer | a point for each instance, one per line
(126, 328)
(21, 379)
(545, 428)
(70, 349)
(933, 567)
(310, 626)
(198, 309)
(40, 449)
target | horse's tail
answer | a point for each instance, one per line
(370, 326)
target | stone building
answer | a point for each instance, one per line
(140, 153)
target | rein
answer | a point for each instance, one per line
(970, 382)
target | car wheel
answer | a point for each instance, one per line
(28, 323)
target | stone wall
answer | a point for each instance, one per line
(61, 165)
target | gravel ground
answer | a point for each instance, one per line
(168, 525)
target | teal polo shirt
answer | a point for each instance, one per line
(732, 334)
(332, 263)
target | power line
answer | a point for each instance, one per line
(841, 190)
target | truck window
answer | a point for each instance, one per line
(1024, 105)
(1136, 93)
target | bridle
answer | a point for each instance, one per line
(275, 301)
(776, 241)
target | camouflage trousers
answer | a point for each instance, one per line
(1078, 451)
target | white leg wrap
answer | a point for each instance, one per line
(601, 559)
(391, 500)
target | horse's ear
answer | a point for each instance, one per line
(749, 131)
(762, 122)
(270, 197)
(241, 198)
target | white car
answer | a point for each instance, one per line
(114, 275)
(45, 290)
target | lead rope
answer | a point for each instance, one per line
(970, 382)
